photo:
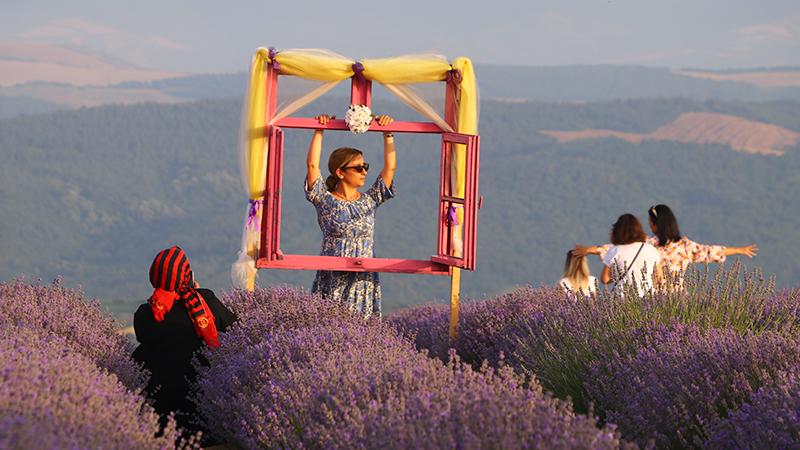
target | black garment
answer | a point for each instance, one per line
(166, 350)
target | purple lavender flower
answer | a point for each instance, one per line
(51, 397)
(560, 344)
(484, 332)
(428, 325)
(558, 340)
(65, 312)
(486, 327)
(462, 408)
(314, 375)
(684, 378)
(770, 419)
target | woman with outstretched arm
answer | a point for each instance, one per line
(677, 251)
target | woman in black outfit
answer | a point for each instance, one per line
(177, 320)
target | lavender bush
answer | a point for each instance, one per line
(492, 329)
(284, 390)
(684, 378)
(427, 325)
(65, 312)
(462, 408)
(51, 397)
(484, 326)
(321, 378)
(560, 341)
(771, 419)
(288, 306)
(267, 310)
(560, 345)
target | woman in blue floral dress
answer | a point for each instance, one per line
(347, 217)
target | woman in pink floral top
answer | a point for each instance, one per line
(677, 251)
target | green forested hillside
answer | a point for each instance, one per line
(15, 105)
(92, 194)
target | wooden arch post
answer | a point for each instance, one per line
(455, 298)
(450, 115)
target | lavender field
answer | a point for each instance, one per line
(714, 366)
(66, 377)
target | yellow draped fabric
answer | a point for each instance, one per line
(467, 121)
(468, 94)
(328, 67)
(406, 69)
(255, 139)
(314, 65)
(254, 160)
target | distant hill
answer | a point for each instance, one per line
(609, 82)
(503, 83)
(22, 63)
(779, 77)
(197, 87)
(522, 83)
(70, 97)
(92, 194)
(37, 78)
(702, 128)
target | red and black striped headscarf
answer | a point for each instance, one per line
(172, 280)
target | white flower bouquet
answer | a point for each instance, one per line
(358, 118)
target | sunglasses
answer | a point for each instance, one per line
(363, 168)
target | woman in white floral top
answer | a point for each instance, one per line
(677, 251)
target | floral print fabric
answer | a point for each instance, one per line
(347, 230)
(676, 256)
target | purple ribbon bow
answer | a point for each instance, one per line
(273, 52)
(452, 215)
(252, 215)
(454, 76)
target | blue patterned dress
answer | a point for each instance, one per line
(347, 230)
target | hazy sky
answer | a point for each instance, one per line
(220, 36)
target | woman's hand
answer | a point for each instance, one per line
(748, 250)
(582, 250)
(384, 119)
(605, 276)
(323, 119)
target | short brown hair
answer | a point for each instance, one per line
(627, 230)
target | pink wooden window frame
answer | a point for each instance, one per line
(271, 256)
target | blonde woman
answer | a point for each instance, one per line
(577, 278)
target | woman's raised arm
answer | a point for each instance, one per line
(747, 250)
(599, 250)
(389, 158)
(314, 152)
